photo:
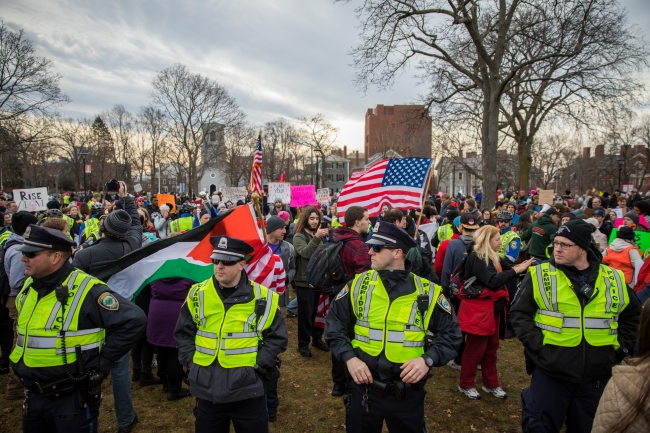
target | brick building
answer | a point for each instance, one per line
(405, 129)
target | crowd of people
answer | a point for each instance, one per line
(568, 278)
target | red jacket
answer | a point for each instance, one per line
(476, 316)
(354, 253)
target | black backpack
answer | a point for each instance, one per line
(5, 288)
(325, 272)
(457, 283)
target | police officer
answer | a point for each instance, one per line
(184, 222)
(70, 328)
(378, 327)
(229, 334)
(576, 319)
(90, 228)
(510, 247)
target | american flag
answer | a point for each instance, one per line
(399, 182)
(256, 173)
(267, 269)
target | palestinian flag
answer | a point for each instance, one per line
(188, 256)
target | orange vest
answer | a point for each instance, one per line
(621, 260)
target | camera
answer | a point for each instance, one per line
(110, 190)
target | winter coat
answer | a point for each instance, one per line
(167, 297)
(539, 234)
(456, 252)
(305, 245)
(600, 239)
(476, 315)
(623, 256)
(620, 393)
(14, 267)
(440, 254)
(354, 252)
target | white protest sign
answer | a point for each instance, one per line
(234, 193)
(619, 212)
(137, 187)
(323, 195)
(215, 199)
(281, 190)
(31, 200)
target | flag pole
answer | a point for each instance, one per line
(256, 204)
(424, 200)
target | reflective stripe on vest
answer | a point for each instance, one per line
(560, 315)
(231, 337)
(41, 323)
(507, 237)
(398, 328)
(445, 232)
(4, 236)
(181, 224)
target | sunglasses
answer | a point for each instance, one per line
(378, 248)
(504, 221)
(226, 262)
(30, 254)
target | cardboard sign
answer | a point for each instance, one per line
(545, 196)
(137, 187)
(32, 199)
(642, 239)
(281, 190)
(215, 199)
(234, 193)
(167, 199)
(303, 195)
(323, 195)
(628, 188)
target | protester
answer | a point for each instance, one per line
(482, 318)
(539, 234)
(624, 255)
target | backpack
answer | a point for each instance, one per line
(325, 272)
(5, 288)
(457, 284)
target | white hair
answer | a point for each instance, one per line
(164, 207)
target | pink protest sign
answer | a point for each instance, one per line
(303, 195)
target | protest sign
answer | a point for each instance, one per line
(642, 239)
(234, 193)
(137, 187)
(215, 199)
(303, 195)
(31, 200)
(323, 195)
(628, 188)
(619, 212)
(545, 196)
(167, 199)
(281, 190)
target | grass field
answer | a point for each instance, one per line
(307, 406)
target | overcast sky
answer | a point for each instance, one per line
(278, 58)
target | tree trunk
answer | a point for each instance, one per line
(524, 145)
(489, 142)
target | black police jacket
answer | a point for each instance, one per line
(583, 362)
(340, 329)
(124, 326)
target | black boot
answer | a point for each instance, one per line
(178, 393)
(136, 375)
(147, 379)
(4, 367)
(320, 344)
(304, 351)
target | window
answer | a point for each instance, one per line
(330, 176)
(172, 182)
(213, 136)
(164, 182)
(148, 185)
(460, 175)
(339, 178)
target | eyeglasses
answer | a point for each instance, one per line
(226, 262)
(504, 221)
(563, 246)
(30, 254)
(378, 248)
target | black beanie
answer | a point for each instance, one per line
(578, 231)
(53, 204)
(452, 214)
(117, 223)
(625, 233)
(21, 220)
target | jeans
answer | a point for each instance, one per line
(121, 380)
(293, 304)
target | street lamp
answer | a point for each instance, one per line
(83, 159)
(620, 162)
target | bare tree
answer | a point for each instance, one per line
(236, 159)
(553, 152)
(317, 134)
(102, 154)
(190, 102)
(121, 123)
(463, 48)
(74, 138)
(152, 120)
(279, 139)
(27, 82)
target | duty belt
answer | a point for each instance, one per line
(398, 389)
(53, 388)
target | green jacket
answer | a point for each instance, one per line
(305, 245)
(539, 234)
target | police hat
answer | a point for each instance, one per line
(40, 238)
(227, 248)
(384, 233)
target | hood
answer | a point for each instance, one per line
(15, 237)
(346, 234)
(619, 245)
(545, 219)
(467, 240)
